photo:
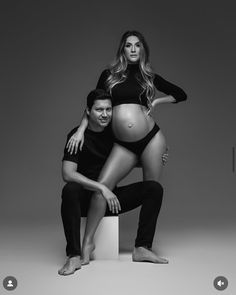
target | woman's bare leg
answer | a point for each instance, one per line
(118, 165)
(152, 164)
(151, 157)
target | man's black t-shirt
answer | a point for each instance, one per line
(97, 147)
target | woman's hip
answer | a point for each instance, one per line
(138, 146)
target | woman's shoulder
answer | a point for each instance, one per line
(103, 78)
(106, 71)
(157, 76)
(158, 79)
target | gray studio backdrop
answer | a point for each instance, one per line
(52, 56)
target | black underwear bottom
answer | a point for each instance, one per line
(137, 147)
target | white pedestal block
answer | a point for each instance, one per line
(106, 238)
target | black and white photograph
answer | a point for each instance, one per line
(118, 147)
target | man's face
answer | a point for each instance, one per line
(100, 113)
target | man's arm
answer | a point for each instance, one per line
(70, 174)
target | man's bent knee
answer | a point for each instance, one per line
(71, 190)
(154, 188)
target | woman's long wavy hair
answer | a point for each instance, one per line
(119, 66)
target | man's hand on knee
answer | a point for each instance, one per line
(112, 201)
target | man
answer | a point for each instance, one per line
(81, 170)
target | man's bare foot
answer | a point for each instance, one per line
(87, 250)
(72, 264)
(141, 254)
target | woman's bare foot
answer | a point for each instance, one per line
(72, 264)
(87, 250)
(141, 254)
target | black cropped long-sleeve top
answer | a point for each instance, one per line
(131, 91)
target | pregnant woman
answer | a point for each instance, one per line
(132, 85)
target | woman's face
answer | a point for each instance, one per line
(132, 49)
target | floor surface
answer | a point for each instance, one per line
(34, 253)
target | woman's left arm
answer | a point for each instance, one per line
(174, 93)
(164, 99)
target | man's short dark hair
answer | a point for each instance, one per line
(95, 95)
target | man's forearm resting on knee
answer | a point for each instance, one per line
(70, 174)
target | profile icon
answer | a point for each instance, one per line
(10, 283)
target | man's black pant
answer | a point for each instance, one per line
(76, 200)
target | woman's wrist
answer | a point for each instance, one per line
(80, 130)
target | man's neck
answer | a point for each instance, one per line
(95, 127)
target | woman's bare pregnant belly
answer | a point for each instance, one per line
(130, 122)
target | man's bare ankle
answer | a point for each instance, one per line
(74, 256)
(140, 248)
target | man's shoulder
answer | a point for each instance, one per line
(72, 131)
(89, 135)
